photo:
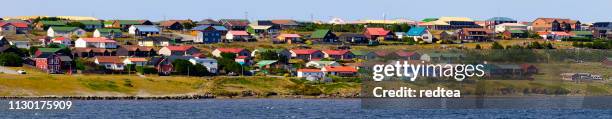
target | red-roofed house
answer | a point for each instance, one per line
(237, 36)
(136, 61)
(183, 50)
(289, 38)
(100, 42)
(237, 51)
(378, 34)
(62, 40)
(14, 27)
(110, 62)
(340, 70)
(338, 54)
(558, 35)
(307, 54)
(316, 73)
(408, 55)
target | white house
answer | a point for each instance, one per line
(420, 33)
(237, 35)
(143, 30)
(65, 31)
(510, 26)
(183, 50)
(209, 63)
(136, 61)
(100, 42)
(314, 73)
(321, 64)
(62, 40)
(110, 62)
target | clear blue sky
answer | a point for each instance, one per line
(522, 10)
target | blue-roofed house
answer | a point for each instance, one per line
(491, 22)
(420, 34)
(144, 30)
(208, 33)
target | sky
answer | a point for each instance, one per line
(155, 10)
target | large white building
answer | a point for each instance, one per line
(509, 26)
(100, 42)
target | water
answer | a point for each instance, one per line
(277, 108)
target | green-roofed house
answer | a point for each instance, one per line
(324, 36)
(360, 54)
(107, 32)
(44, 52)
(284, 53)
(108, 24)
(429, 19)
(91, 24)
(44, 25)
(125, 24)
(265, 64)
(515, 34)
(586, 34)
(68, 32)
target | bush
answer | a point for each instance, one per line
(146, 70)
(10, 59)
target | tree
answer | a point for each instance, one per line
(188, 25)
(496, 45)
(200, 70)
(10, 59)
(231, 56)
(182, 66)
(268, 55)
(76, 24)
(478, 46)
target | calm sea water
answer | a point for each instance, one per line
(277, 108)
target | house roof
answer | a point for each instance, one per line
(209, 22)
(416, 31)
(64, 29)
(204, 27)
(324, 62)
(377, 31)
(130, 22)
(517, 31)
(168, 23)
(61, 38)
(381, 53)
(49, 50)
(135, 47)
(65, 59)
(512, 24)
(137, 59)
(90, 22)
(231, 50)
(16, 24)
(265, 62)
(259, 26)
(96, 50)
(336, 52)
(53, 23)
(304, 51)
(405, 53)
(289, 35)
(560, 33)
(235, 22)
(276, 50)
(147, 28)
(180, 48)
(448, 19)
(500, 19)
(319, 33)
(98, 39)
(109, 59)
(309, 70)
(238, 33)
(340, 69)
(429, 19)
(285, 22)
(108, 30)
(560, 20)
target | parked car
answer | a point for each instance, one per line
(21, 71)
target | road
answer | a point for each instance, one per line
(7, 70)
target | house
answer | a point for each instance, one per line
(321, 64)
(492, 23)
(555, 24)
(21, 44)
(210, 64)
(285, 23)
(107, 32)
(314, 73)
(289, 38)
(420, 34)
(14, 27)
(126, 24)
(607, 62)
(91, 24)
(343, 71)
(54, 63)
(529, 68)
(602, 30)
(324, 36)
(360, 54)
(110, 62)
(436, 25)
(235, 24)
(154, 41)
(100, 42)
(584, 34)
(338, 54)
(282, 53)
(441, 57)
(136, 51)
(45, 52)
(143, 30)
(381, 55)
(171, 25)
(136, 61)
(447, 35)
(354, 38)
(62, 40)
(510, 26)
(183, 50)
(56, 31)
(267, 64)
(400, 35)
(92, 52)
(44, 25)
(260, 30)
(236, 51)
(514, 34)
(208, 22)
(474, 34)
(378, 34)
(450, 23)
(306, 54)
(208, 34)
(408, 55)
(558, 35)
(237, 36)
